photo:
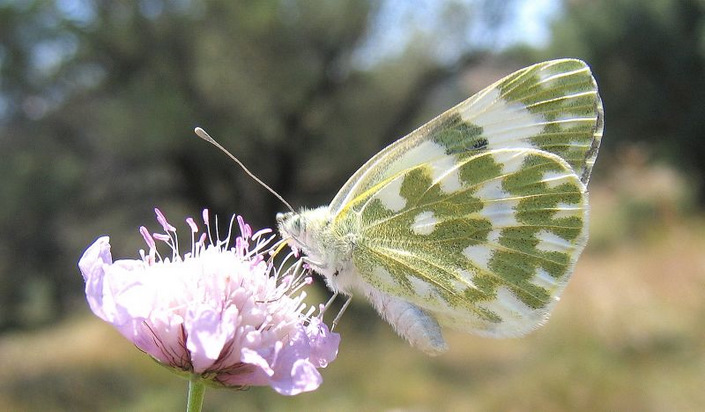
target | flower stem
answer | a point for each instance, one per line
(196, 392)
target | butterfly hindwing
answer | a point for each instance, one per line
(484, 247)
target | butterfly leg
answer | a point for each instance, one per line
(330, 302)
(340, 313)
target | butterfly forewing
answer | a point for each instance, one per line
(552, 106)
(484, 247)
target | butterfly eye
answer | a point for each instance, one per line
(297, 224)
(291, 223)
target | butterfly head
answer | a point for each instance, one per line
(299, 229)
(293, 228)
(290, 226)
(307, 231)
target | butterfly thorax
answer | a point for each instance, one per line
(311, 231)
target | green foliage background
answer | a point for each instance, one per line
(98, 100)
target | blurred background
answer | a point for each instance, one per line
(98, 100)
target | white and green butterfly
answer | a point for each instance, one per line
(473, 221)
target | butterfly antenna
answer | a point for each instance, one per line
(205, 136)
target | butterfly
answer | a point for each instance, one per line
(475, 220)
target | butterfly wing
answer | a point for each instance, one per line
(479, 216)
(489, 255)
(552, 106)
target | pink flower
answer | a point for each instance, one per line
(223, 313)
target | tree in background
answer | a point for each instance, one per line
(98, 100)
(649, 58)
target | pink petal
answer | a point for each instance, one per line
(245, 375)
(93, 259)
(304, 378)
(293, 372)
(125, 295)
(207, 331)
(324, 343)
(254, 358)
(92, 265)
(110, 287)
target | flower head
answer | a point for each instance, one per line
(221, 311)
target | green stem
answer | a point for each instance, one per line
(196, 392)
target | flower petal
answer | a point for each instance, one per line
(304, 377)
(92, 265)
(208, 329)
(324, 343)
(254, 358)
(293, 372)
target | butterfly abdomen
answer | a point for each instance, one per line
(409, 321)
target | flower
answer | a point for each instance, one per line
(224, 313)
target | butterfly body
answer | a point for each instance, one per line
(473, 221)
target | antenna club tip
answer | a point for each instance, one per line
(202, 134)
